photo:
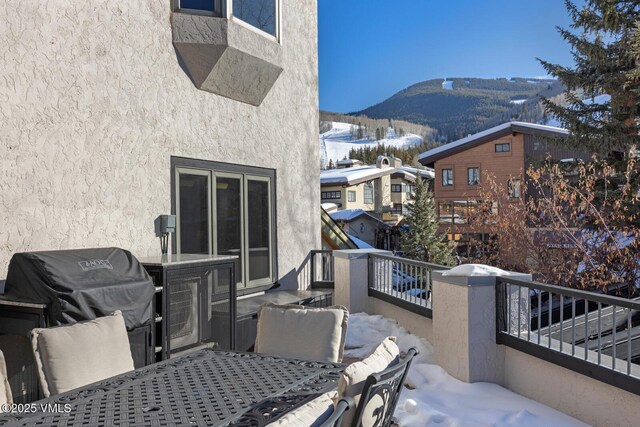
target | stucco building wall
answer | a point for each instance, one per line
(93, 103)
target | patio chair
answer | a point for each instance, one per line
(69, 357)
(320, 412)
(5, 389)
(302, 333)
(375, 384)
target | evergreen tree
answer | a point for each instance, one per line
(331, 165)
(422, 241)
(605, 59)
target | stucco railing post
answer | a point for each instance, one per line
(351, 278)
(464, 327)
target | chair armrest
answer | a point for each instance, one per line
(345, 404)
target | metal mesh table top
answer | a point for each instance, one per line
(208, 387)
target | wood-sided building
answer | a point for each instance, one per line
(503, 152)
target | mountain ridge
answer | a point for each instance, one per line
(459, 106)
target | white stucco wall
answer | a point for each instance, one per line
(93, 103)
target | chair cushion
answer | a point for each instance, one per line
(302, 333)
(5, 389)
(354, 376)
(311, 414)
(72, 356)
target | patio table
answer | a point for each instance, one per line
(208, 387)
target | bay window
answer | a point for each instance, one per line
(258, 14)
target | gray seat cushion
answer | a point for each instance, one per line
(302, 333)
(5, 390)
(69, 357)
(311, 414)
(352, 381)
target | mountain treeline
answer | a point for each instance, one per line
(468, 105)
(409, 156)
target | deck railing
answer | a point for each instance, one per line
(322, 269)
(403, 282)
(593, 334)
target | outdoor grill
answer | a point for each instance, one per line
(54, 288)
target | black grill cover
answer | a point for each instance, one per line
(82, 284)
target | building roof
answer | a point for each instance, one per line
(349, 162)
(360, 243)
(349, 215)
(352, 176)
(357, 175)
(479, 138)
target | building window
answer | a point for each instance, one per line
(445, 212)
(368, 193)
(503, 148)
(224, 209)
(447, 177)
(397, 209)
(351, 196)
(410, 190)
(514, 188)
(473, 176)
(330, 195)
(396, 188)
(260, 14)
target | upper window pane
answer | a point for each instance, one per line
(194, 213)
(204, 5)
(259, 224)
(368, 193)
(473, 175)
(259, 13)
(447, 177)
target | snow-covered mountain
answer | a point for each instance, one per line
(336, 143)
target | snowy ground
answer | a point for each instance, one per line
(438, 399)
(336, 143)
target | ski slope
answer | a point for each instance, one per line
(336, 143)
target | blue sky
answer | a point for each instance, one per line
(370, 49)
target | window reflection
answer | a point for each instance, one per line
(258, 13)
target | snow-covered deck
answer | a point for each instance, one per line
(437, 399)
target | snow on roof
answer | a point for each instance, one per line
(425, 173)
(599, 100)
(350, 176)
(329, 207)
(437, 398)
(485, 133)
(347, 214)
(350, 162)
(361, 244)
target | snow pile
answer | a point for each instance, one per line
(518, 101)
(336, 143)
(438, 399)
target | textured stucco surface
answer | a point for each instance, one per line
(93, 103)
(584, 398)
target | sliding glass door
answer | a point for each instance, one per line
(228, 212)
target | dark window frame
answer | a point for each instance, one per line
(368, 186)
(177, 162)
(502, 147)
(442, 177)
(330, 195)
(477, 177)
(396, 188)
(511, 188)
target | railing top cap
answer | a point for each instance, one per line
(474, 280)
(358, 253)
